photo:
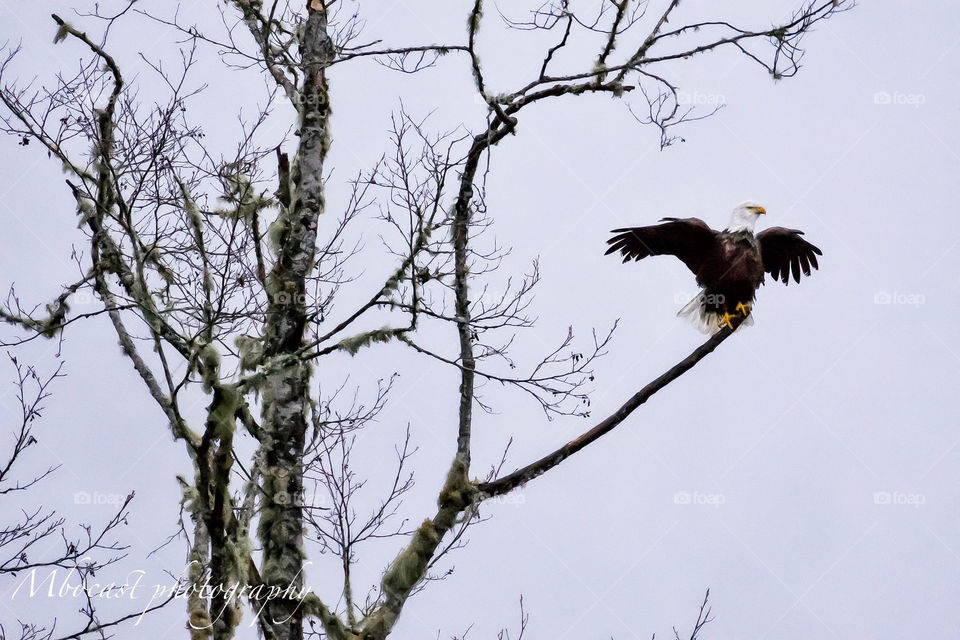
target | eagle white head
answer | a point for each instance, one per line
(745, 215)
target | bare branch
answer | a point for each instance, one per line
(523, 475)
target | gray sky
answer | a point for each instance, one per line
(796, 443)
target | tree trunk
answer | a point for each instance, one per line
(287, 384)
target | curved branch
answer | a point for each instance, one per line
(523, 475)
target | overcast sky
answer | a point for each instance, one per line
(807, 472)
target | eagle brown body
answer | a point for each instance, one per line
(731, 272)
(729, 265)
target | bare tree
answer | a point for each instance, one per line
(212, 269)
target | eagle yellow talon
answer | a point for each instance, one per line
(744, 308)
(725, 320)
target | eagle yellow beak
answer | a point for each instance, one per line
(760, 210)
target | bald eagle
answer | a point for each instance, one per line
(729, 264)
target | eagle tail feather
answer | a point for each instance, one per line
(696, 312)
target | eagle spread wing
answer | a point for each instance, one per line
(690, 239)
(783, 251)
